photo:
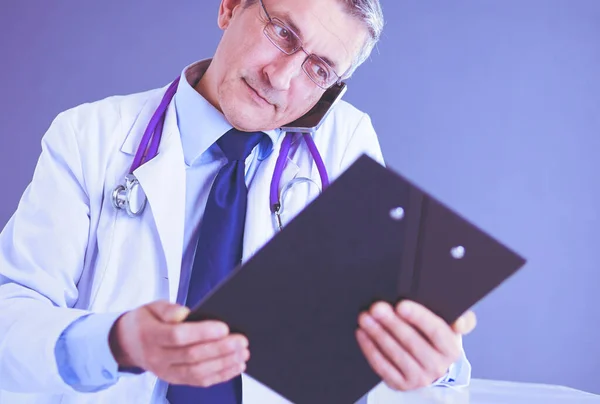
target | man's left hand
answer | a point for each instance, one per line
(409, 346)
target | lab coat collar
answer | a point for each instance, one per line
(135, 119)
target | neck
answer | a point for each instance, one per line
(207, 89)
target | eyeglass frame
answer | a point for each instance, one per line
(300, 47)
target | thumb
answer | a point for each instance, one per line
(169, 312)
(465, 324)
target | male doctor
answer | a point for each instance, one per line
(92, 301)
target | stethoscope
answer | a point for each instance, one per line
(129, 195)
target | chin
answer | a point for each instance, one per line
(240, 121)
(246, 115)
(248, 119)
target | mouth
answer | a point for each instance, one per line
(256, 96)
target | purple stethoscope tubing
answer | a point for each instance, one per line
(148, 149)
(157, 122)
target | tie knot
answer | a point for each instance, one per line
(237, 145)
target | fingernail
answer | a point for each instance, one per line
(236, 344)
(406, 308)
(242, 356)
(180, 314)
(368, 321)
(221, 330)
(381, 310)
(460, 324)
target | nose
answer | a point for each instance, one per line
(285, 68)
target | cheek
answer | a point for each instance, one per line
(299, 104)
(247, 52)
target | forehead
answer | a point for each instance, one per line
(325, 27)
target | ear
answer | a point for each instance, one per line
(226, 11)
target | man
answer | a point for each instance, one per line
(85, 291)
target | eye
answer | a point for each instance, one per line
(320, 71)
(282, 32)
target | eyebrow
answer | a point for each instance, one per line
(285, 17)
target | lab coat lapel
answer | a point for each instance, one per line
(140, 116)
(163, 181)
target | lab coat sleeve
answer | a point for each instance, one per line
(42, 250)
(364, 141)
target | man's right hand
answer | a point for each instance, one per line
(154, 338)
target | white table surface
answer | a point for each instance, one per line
(486, 392)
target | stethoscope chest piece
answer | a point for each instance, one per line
(279, 208)
(130, 196)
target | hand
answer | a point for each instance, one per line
(409, 346)
(154, 338)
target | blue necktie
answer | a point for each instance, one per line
(219, 250)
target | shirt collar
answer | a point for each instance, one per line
(201, 124)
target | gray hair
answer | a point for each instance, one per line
(371, 14)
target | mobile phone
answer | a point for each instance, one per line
(312, 120)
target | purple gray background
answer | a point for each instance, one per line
(492, 106)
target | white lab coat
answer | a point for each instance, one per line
(67, 252)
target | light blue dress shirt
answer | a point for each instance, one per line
(83, 355)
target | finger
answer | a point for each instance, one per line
(429, 359)
(465, 323)
(210, 372)
(168, 312)
(380, 365)
(225, 375)
(395, 354)
(178, 315)
(192, 354)
(439, 334)
(192, 333)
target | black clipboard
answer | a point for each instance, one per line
(372, 235)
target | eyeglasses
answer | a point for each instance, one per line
(287, 41)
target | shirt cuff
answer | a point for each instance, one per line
(458, 375)
(83, 355)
